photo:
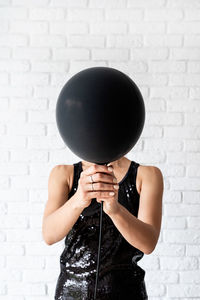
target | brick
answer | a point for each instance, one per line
(147, 27)
(143, 3)
(110, 54)
(70, 53)
(29, 27)
(47, 41)
(49, 14)
(68, 27)
(167, 67)
(31, 53)
(93, 15)
(108, 27)
(166, 14)
(123, 14)
(13, 40)
(160, 40)
(107, 4)
(124, 41)
(86, 41)
(13, 13)
(149, 53)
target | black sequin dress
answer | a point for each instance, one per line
(120, 278)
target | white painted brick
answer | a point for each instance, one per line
(86, 41)
(169, 250)
(49, 66)
(172, 196)
(26, 129)
(10, 222)
(179, 263)
(149, 53)
(107, 27)
(107, 4)
(161, 276)
(14, 66)
(187, 107)
(145, 4)
(152, 132)
(26, 262)
(170, 92)
(46, 92)
(39, 276)
(26, 289)
(124, 41)
(123, 14)
(194, 67)
(194, 92)
(68, 28)
(13, 40)
(7, 116)
(156, 104)
(147, 27)
(163, 14)
(189, 277)
(192, 250)
(193, 222)
(167, 66)
(29, 79)
(5, 52)
(184, 79)
(174, 223)
(184, 290)
(93, 15)
(29, 27)
(10, 248)
(30, 3)
(47, 41)
(50, 14)
(28, 104)
(22, 207)
(192, 14)
(70, 53)
(191, 197)
(4, 79)
(185, 183)
(191, 40)
(181, 209)
(24, 235)
(149, 79)
(185, 3)
(110, 54)
(3, 26)
(182, 132)
(185, 53)
(183, 27)
(13, 13)
(158, 40)
(31, 53)
(161, 118)
(68, 3)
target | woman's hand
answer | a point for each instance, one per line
(104, 181)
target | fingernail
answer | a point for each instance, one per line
(111, 193)
(110, 169)
(116, 187)
(114, 180)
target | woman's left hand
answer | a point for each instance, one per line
(110, 204)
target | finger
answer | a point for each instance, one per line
(98, 168)
(99, 194)
(101, 186)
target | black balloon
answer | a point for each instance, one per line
(100, 114)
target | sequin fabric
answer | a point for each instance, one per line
(120, 277)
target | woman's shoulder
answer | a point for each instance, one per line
(63, 173)
(149, 171)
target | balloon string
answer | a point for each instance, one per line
(99, 250)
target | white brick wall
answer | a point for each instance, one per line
(42, 44)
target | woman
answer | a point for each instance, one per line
(130, 226)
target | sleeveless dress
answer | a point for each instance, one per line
(120, 278)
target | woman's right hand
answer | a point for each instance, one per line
(103, 183)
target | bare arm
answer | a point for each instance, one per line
(143, 232)
(60, 214)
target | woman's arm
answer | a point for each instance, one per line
(143, 232)
(60, 214)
